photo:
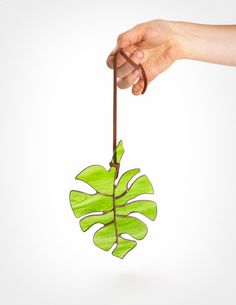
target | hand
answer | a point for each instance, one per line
(153, 44)
(158, 43)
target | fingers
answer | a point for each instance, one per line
(127, 68)
(125, 71)
(129, 80)
(120, 59)
(151, 74)
(138, 87)
(132, 36)
(127, 42)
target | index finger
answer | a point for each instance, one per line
(120, 59)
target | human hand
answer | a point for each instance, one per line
(153, 44)
(158, 43)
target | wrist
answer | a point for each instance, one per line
(181, 39)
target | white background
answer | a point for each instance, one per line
(56, 119)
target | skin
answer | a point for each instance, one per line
(157, 44)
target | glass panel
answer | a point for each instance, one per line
(132, 226)
(119, 152)
(105, 237)
(142, 185)
(123, 247)
(146, 207)
(88, 221)
(98, 178)
(82, 203)
(124, 180)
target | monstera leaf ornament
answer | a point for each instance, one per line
(115, 199)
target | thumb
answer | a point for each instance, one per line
(131, 37)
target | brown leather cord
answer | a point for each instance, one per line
(136, 66)
(144, 77)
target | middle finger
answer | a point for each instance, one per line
(127, 68)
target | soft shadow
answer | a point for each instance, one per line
(137, 285)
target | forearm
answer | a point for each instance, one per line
(210, 43)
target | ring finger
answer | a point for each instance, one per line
(129, 80)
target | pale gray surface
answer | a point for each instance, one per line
(53, 81)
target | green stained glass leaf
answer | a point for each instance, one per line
(146, 207)
(82, 203)
(119, 151)
(98, 178)
(132, 226)
(105, 237)
(88, 221)
(112, 201)
(123, 247)
(124, 180)
(142, 185)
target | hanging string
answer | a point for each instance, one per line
(144, 77)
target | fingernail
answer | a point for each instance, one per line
(139, 54)
(136, 90)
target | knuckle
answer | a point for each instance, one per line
(119, 73)
(121, 85)
(108, 62)
(122, 71)
(124, 83)
(138, 26)
(120, 38)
